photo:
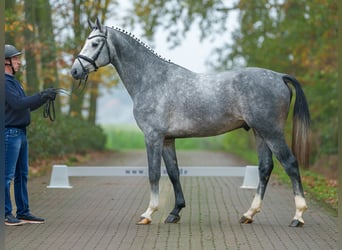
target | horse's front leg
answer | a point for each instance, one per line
(170, 160)
(154, 149)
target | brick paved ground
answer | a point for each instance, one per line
(100, 213)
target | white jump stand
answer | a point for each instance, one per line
(251, 177)
(59, 177)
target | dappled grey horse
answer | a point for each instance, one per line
(172, 102)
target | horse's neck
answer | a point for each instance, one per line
(137, 66)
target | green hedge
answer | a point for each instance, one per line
(66, 135)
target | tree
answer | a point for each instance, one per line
(178, 16)
(11, 21)
(47, 44)
(31, 47)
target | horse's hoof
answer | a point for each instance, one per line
(172, 218)
(144, 221)
(245, 220)
(296, 223)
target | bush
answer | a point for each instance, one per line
(66, 135)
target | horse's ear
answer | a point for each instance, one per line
(98, 24)
(91, 24)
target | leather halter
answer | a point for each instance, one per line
(92, 61)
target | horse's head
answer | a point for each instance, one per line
(94, 54)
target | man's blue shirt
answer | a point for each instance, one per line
(17, 105)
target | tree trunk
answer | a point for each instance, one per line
(47, 46)
(77, 97)
(30, 53)
(94, 93)
(10, 9)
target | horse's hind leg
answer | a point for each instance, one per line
(170, 160)
(265, 169)
(290, 164)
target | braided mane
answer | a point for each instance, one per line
(141, 43)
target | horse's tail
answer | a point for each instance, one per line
(301, 124)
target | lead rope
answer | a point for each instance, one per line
(49, 110)
(49, 107)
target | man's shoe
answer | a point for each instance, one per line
(31, 219)
(10, 220)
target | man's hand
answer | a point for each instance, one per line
(48, 94)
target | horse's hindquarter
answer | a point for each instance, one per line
(264, 98)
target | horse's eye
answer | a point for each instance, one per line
(94, 44)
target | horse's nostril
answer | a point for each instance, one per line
(73, 72)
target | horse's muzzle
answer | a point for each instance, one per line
(78, 73)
